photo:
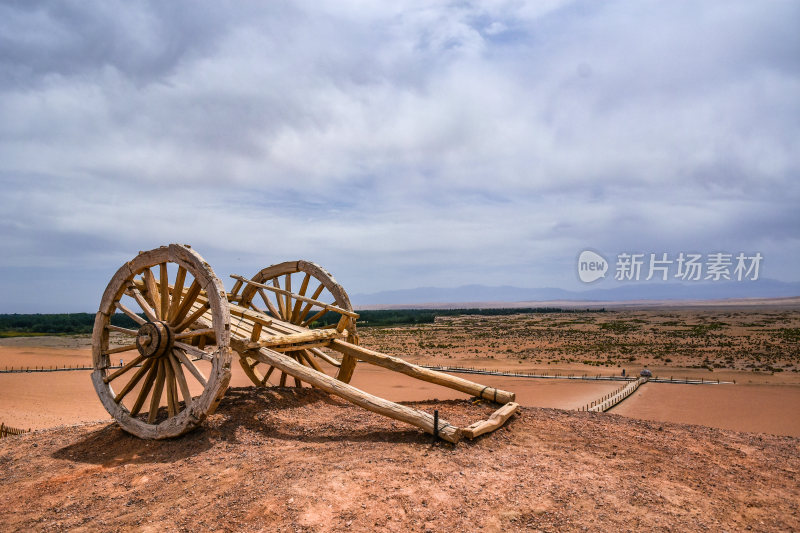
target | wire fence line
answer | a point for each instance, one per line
(585, 377)
(7, 431)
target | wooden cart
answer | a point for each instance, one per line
(189, 327)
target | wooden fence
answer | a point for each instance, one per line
(613, 398)
(7, 431)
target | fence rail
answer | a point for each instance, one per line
(613, 398)
(7, 431)
(63, 368)
(586, 377)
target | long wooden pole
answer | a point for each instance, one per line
(424, 374)
(363, 399)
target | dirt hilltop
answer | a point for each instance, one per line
(298, 460)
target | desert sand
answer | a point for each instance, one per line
(284, 460)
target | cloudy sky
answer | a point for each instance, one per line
(399, 144)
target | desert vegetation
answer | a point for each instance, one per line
(716, 339)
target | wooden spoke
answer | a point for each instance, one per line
(311, 320)
(188, 348)
(281, 306)
(194, 333)
(146, 386)
(267, 375)
(126, 348)
(298, 304)
(134, 380)
(169, 380)
(297, 383)
(118, 329)
(158, 388)
(124, 369)
(190, 366)
(308, 306)
(186, 304)
(164, 290)
(191, 319)
(152, 295)
(325, 357)
(311, 360)
(288, 287)
(288, 294)
(177, 292)
(274, 312)
(148, 311)
(283, 378)
(136, 318)
(181, 379)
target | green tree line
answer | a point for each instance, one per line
(18, 325)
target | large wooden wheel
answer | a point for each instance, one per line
(179, 347)
(312, 281)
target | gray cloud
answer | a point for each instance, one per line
(401, 146)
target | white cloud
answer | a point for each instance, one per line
(455, 143)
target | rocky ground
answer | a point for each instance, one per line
(298, 460)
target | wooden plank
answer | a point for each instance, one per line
(399, 365)
(495, 421)
(290, 294)
(294, 338)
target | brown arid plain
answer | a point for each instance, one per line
(670, 457)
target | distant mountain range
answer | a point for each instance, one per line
(632, 291)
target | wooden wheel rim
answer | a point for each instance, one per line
(208, 287)
(326, 280)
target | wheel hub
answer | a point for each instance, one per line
(154, 339)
